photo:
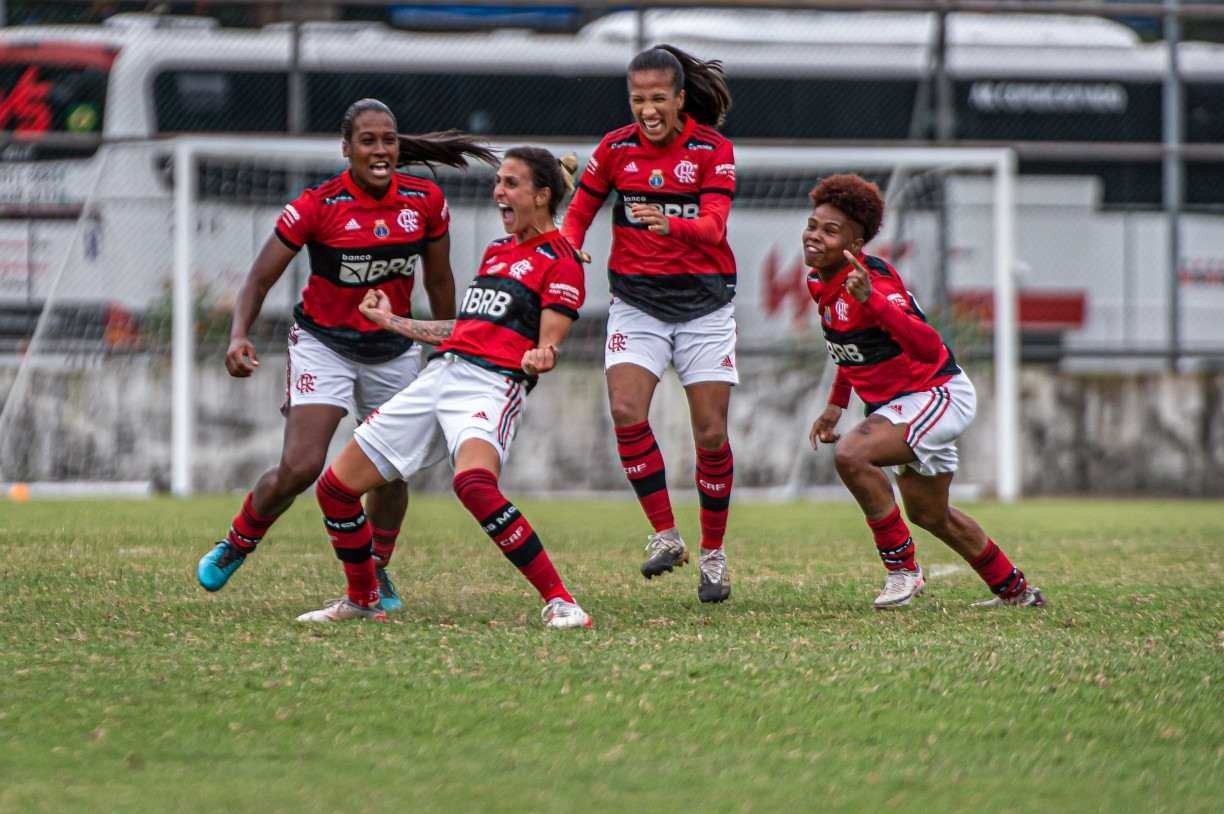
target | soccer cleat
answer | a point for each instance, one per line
(218, 565)
(666, 551)
(560, 614)
(715, 583)
(1030, 597)
(900, 588)
(341, 610)
(388, 599)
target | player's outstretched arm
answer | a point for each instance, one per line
(554, 327)
(269, 265)
(376, 307)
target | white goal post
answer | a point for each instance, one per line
(1000, 164)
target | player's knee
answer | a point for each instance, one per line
(928, 518)
(625, 412)
(710, 436)
(295, 477)
(849, 457)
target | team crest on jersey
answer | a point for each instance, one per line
(843, 310)
(408, 220)
(685, 172)
(380, 229)
(520, 269)
(656, 178)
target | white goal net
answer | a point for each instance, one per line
(111, 361)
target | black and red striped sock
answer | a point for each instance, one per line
(478, 492)
(997, 571)
(346, 524)
(643, 465)
(248, 526)
(894, 542)
(384, 543)
(715, 472)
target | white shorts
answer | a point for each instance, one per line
(701, 349)
(936, 419)
(316, 374)
(451, 401)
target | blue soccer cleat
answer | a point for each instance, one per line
(218, 565)
(388, 599)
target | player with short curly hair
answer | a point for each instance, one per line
(918, 400)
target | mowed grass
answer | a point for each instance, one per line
(125, 687)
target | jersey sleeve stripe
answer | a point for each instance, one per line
(591, 191)
(284, 239)
(561, 309)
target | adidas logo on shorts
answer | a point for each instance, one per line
(481, 415)
(726, 362)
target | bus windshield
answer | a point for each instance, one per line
(52, 98)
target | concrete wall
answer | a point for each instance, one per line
(1153, 434)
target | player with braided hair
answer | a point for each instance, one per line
(918, 400)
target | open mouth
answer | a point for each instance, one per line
(507, 214)
(380, 169)
(655, 128)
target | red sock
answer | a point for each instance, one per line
(894, 542)
(715, 471)
(350, 536)
(248, 526)
(384, 543)
(997, 571)
(643, 465)
(504, 523)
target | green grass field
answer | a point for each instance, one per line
(127, 688)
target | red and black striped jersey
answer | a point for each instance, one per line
(499, 316)
(355, 243)
(883, 347)
(689, 272)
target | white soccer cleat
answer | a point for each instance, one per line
(341, 610)
(900, 588)
(1030, 597)
(715, 583)
(665, 550)
(560, 614)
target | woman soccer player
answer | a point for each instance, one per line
(672, 278)
(470, 398)
(369, 226)
(918, 400)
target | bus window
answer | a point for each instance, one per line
(213, 101)
(507, 105)
(52, 99)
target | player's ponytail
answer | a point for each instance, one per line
(706, 95)
(450, 147)
(548, 172)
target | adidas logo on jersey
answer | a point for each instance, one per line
(352, 225)
(631, 167)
